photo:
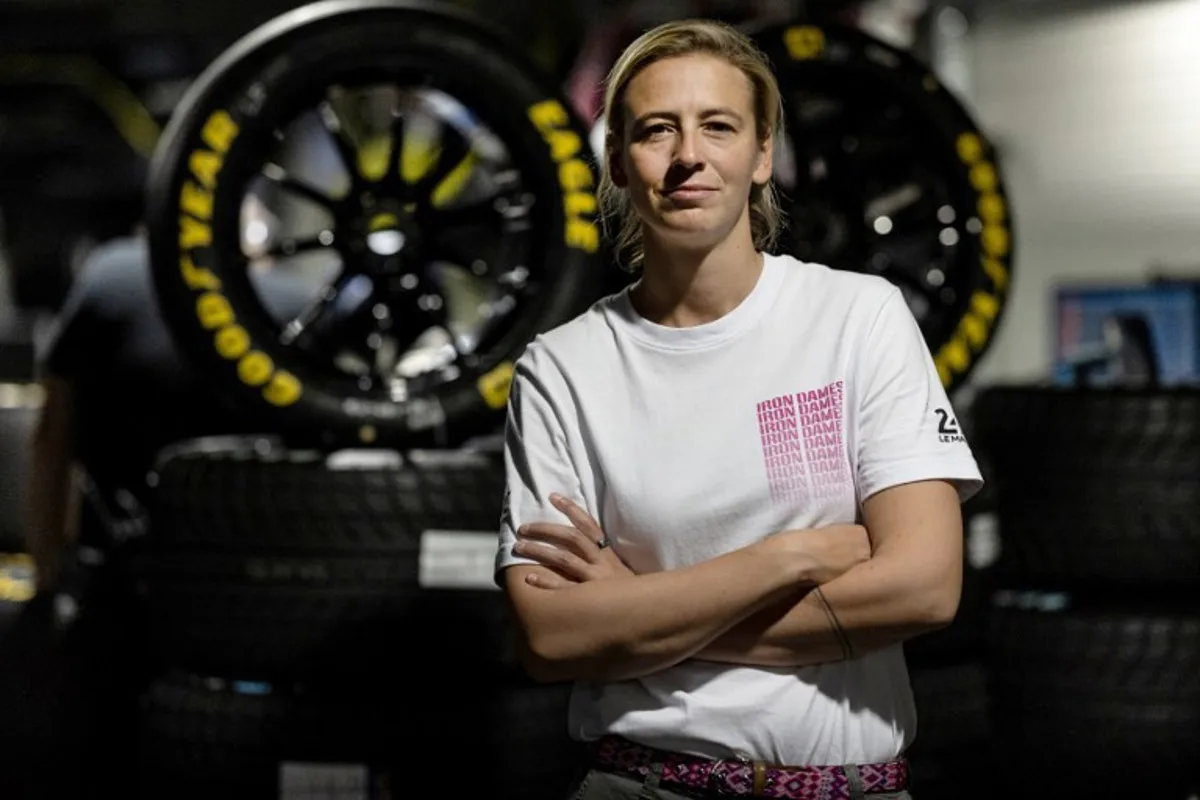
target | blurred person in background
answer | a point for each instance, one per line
(117, 391)
(729, 497)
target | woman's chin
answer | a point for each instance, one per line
(690, 231)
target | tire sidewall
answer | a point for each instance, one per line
(969, 162)
(507, 88)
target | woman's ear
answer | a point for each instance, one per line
(765, 160)
(613, 163)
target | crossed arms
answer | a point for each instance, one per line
(794, 599)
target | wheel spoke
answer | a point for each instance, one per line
(454, 149)
(396, 137)
(906, 206)
(285, 248)
(332, 119)
(443, 220)
(317, 315)
(280, 178)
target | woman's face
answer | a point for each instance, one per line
(689, 149)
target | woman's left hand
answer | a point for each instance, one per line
(576, 553)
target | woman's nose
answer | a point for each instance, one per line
(688, 150)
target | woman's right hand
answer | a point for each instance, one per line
(822, 554)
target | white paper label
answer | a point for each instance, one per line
(458, 560)
(299, 781)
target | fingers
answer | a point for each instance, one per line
(564, 536)
(543, 544)
(579, 518)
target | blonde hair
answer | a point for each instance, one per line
(680, 38)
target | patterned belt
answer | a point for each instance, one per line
(738, 777)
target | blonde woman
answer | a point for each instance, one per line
(731, 490)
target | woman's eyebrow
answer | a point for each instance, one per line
(671, 116)
(721, 112)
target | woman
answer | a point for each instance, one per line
(689, 459)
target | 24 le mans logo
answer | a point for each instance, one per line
(948, 431)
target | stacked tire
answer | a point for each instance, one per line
(314, 610)
(321, 597)
(1095, 632)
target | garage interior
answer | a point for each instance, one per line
(286, 594)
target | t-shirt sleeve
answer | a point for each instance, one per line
(537, 457)
(907, 429)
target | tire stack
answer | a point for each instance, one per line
(1095, 632)
(321, 599)
(332, 617)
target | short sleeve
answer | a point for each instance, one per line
(906, 428)
(537, 457)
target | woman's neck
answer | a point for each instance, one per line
(685, 288)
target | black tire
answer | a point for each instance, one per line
(1096, 489)
(878, 119)
(953, 743)
(267, 78)
(264, 563)
(1096, 703)
(206, 738)
(70, 669)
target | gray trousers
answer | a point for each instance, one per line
(600, 785)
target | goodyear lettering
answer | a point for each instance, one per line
(995, 240)
(219, 132)
(976, 326)
(970, 148)
(213, 309)
(283, 389)
(983, 177)
(975, 330)
(494, 386)
(997, 272)
(574, 176)
(196, 201)
(197, 278)
(991, 207)
(255, 368)
(232, 342)
(579, 203)
(985, 305)
(804, 42)
(204, 166)
(193, 234)
(563, 144)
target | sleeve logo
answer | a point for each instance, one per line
(948, 431)
(506, 520)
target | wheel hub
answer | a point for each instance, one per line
(389, 238)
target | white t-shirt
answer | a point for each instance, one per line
(814, 393)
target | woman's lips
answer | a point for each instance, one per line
(689, 192)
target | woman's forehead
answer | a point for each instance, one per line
(695, 80)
